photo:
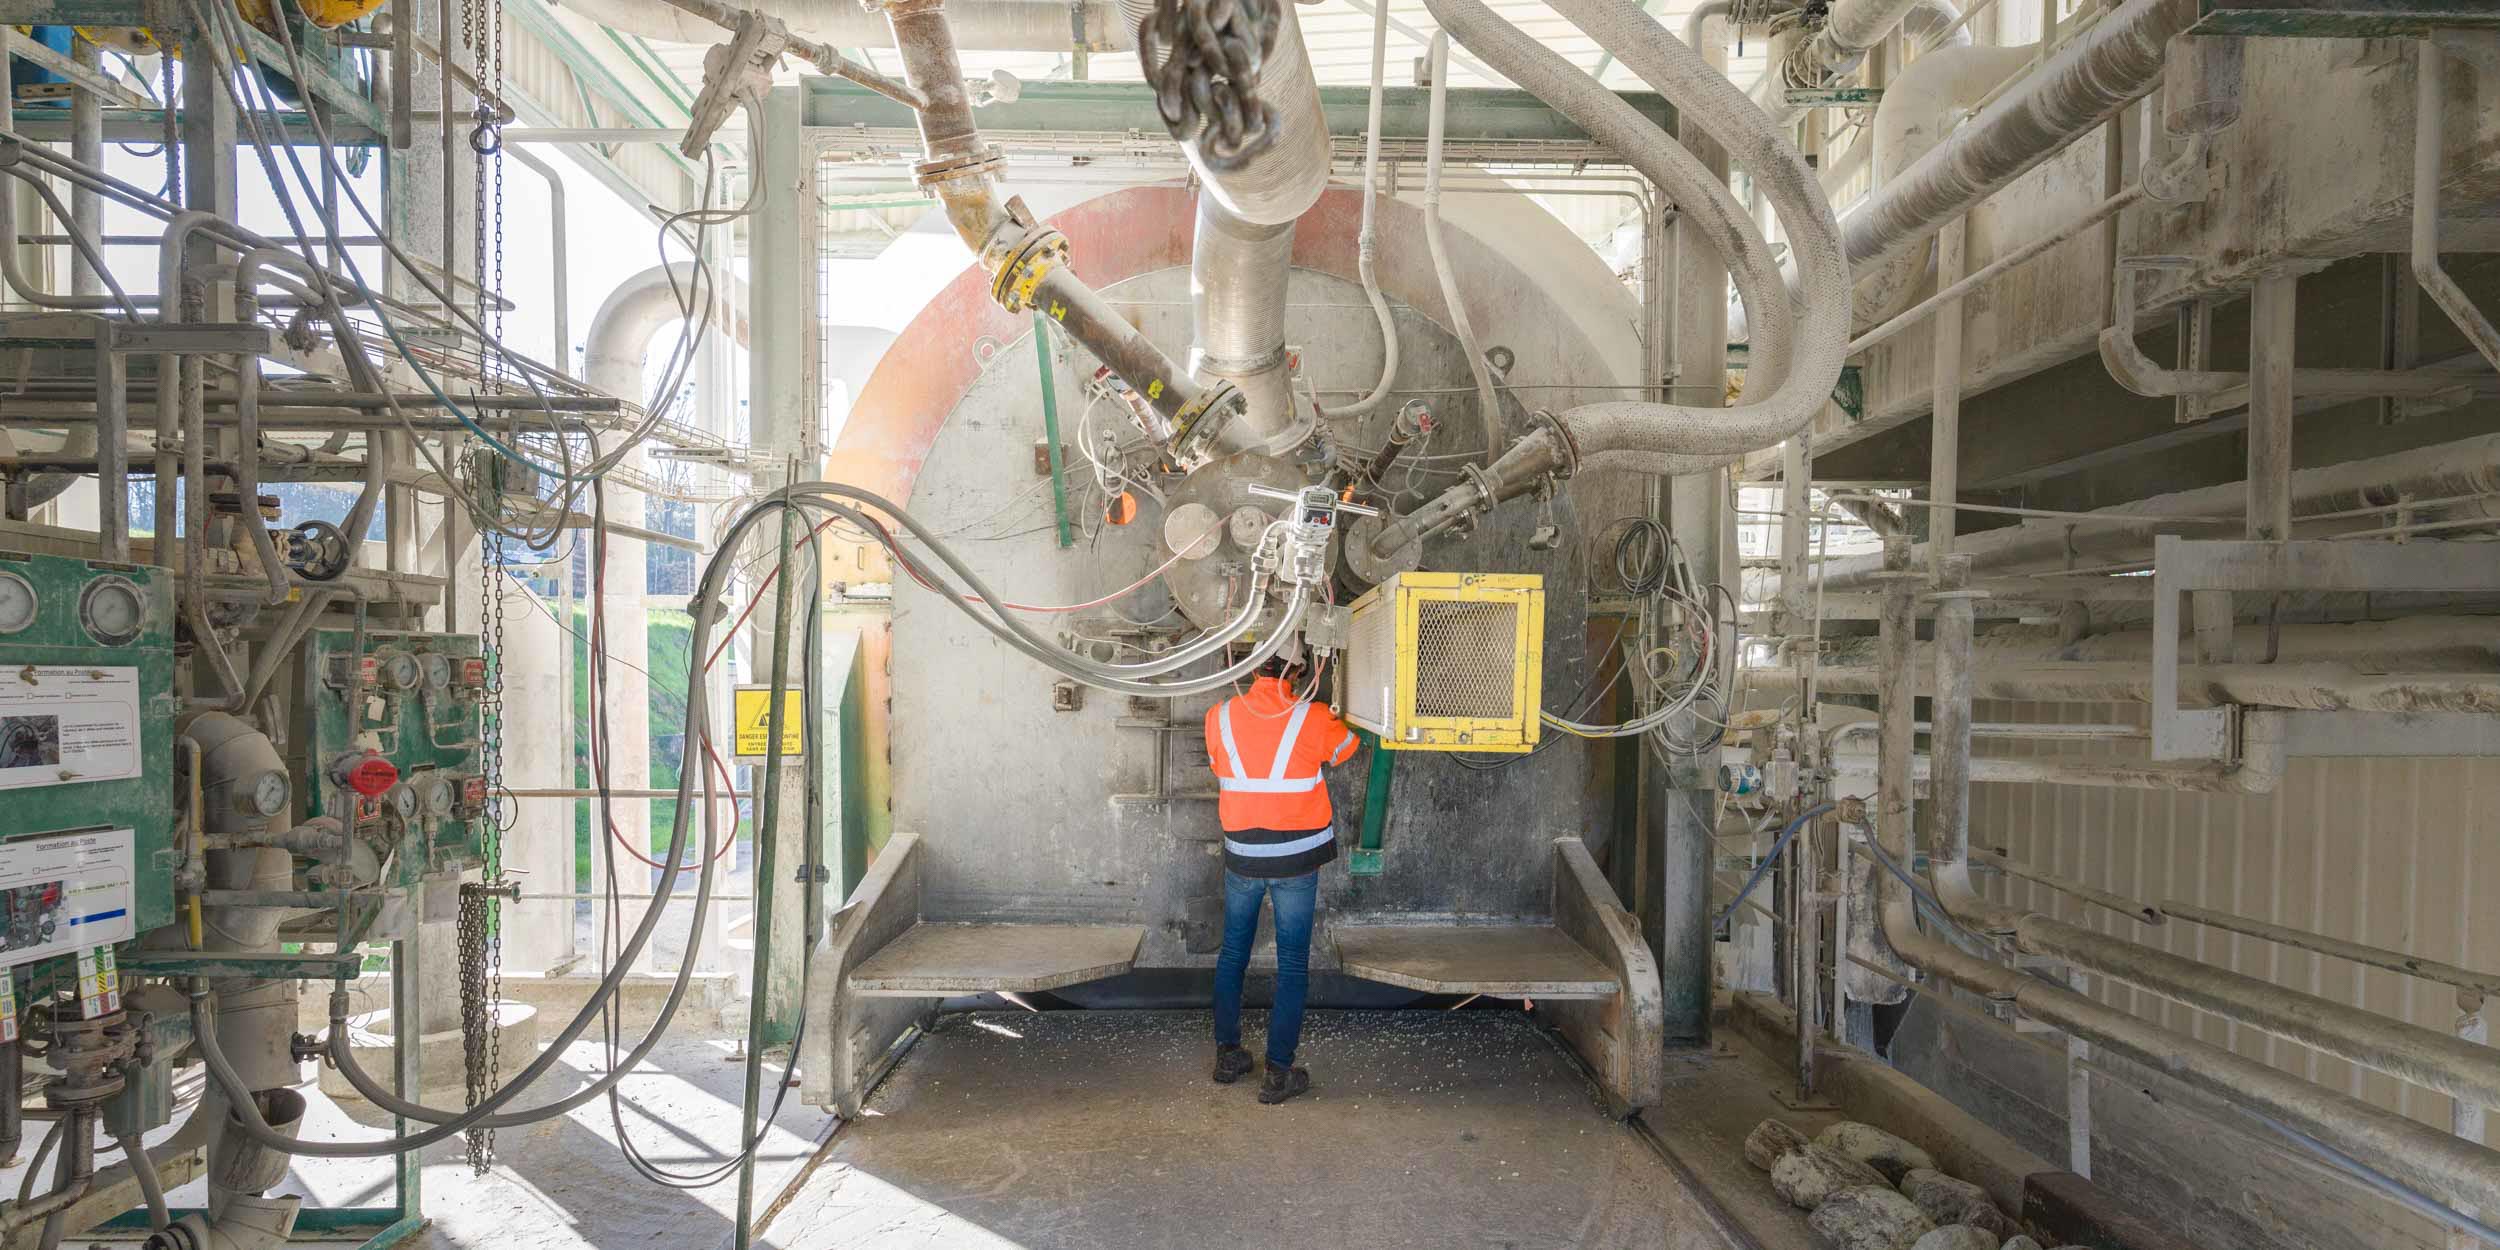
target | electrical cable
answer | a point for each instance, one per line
(1779, 847)
(447, 1124)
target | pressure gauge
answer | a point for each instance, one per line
(268, 794)
(17, 603)
(400, 671)
(112, 610)
(437, 673)
(403, 801)
(436, 795)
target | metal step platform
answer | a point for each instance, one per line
(947, 958)
(1507, 961)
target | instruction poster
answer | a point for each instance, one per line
(63, 893)
(68, 723)
(753, 706)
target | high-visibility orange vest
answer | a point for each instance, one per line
(1268, 750)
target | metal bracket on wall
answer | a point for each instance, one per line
(2184, 567)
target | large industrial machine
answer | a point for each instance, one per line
(326, 628)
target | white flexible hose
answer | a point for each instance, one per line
(1669, 437)
(1488, 404)
(1367, 245)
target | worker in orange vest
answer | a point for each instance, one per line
(1270, 748)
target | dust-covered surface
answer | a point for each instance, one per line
(559, 1184)
(1102, 1129)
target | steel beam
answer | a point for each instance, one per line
(1476, 114)
(2342, 19)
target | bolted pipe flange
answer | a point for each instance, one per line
(972, 160)
(1570, 451)
(1027, 262)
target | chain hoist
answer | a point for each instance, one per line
(1203, 57)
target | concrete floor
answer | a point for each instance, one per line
(1101, 1130)
(562, 1183)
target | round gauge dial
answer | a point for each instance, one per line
(437, 673)
(434, 793)
(403, 801)
(401, 671)
(17, 603)
(112, 610)
(269, 793)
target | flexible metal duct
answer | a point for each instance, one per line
(1655, 437)
(1242, 253)
(1919, 110)
(979, 25)
(1856, 26)
(2084, 84)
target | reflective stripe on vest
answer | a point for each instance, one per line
(1278, 850)
(1275, 782)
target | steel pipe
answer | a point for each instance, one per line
(2141, 913)
(2430, 130)
(2431, 1059)
(2302, 939)
(2434, 1162)
(2457, 470)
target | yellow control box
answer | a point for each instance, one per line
(1448, 661)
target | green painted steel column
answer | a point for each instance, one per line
(1367, 848)
(1050, 428)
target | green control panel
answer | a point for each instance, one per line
(391, 733)
(87, 854)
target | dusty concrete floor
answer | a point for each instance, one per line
(1101, 1130)
(563, 1184)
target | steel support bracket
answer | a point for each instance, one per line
(2182, 567)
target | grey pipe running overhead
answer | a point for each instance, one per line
(2083, 84)
(1242, 253)
(1657, 437)
(979, 25)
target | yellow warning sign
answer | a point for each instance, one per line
(754, 708)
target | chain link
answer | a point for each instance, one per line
(480, 931)
(1203, 57)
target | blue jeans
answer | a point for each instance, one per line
(1296, 898)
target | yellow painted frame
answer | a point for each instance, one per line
(1493, 735)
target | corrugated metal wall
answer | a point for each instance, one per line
(2396, 853)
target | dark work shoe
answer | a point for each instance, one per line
(1284, 1083)
(1231, 1063)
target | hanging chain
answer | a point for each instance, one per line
(476, 1015)
(1203, 57)
(481, 935)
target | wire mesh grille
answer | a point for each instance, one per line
(1372, 665)
(1466, 659)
